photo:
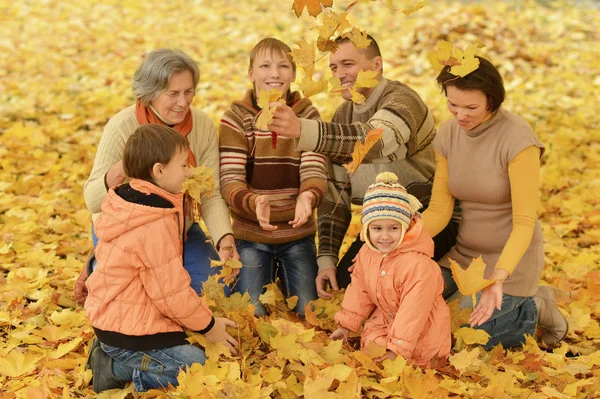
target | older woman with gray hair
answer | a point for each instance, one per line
(164, 86)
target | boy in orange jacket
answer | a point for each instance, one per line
(395, 283)
(140, 298)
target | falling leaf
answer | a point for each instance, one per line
(358, 38)
(462, 63)
(313, 6)
(414, 8)
(470, 281)
(309, 87)
(366, 79)
(304, 57)
(362, 149)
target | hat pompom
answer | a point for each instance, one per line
(386, 177)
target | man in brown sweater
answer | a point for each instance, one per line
(405, 149)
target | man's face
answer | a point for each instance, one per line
(345, 64)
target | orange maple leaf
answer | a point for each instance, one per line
(314, 7)
(361, 149)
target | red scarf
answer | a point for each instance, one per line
(145, 115)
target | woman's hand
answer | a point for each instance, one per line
(340, 333)
(218, 333)
(304, 209)
(115, 175)
(263, 213)
(228, 250)
(491, 298)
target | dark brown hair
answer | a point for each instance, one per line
(485, 78)
(370, 52)
(148, 145)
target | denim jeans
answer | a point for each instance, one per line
(197, 254)
(508, 326)
(298, 270)
(155, 368)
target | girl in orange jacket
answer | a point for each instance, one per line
(396, 285)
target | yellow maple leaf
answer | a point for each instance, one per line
(227, 268)
(414, 8)
(17, 363)
(461, 62)
(286, 346)
(375, 350)
(358, 38)
(265, 98)
(314, 7)
(470, 281)
(465, 360)
(272, 295)
(361, 149)
(470, 336)
(366, 79)
(305, 56)
(292, 302)
(309, 87)
(330, 22)
(213, 350)
(200, 182)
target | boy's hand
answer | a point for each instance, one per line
(340, 333)
(285, 122)
(263, 213)
(388, 355)
(219, 334)
(303, 209)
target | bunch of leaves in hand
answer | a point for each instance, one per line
(200, 182)
(265, 98)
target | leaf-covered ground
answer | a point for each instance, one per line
(66, 68)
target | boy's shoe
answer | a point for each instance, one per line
(549, 317)
(101, 365)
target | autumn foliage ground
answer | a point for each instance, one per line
(66, 68)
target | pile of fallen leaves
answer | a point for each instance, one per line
(66, 68)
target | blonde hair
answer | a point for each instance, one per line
(274, 46)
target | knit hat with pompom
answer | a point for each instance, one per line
(386, 199)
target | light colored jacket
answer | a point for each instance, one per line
(140, 286)
(401, 295)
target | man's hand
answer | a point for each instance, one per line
(218, 333)
(285, 122)
(303, 209)
(491, 298)
(321, 281)
(388, 355)
(340, 333)
(263, 213)
(115, 175)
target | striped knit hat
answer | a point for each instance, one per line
(386, 199)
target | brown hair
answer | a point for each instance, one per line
(370, 52)
(273, 46)
(485, 78)
(148, 145)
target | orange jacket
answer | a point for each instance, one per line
(140, 287)
(401, 294)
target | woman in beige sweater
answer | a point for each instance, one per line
(164, 86)
(489, 159)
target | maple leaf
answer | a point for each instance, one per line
(286, 346)
(227, 268)
(265, 98)
(366, 79)
(314, 7)
(465, 360)
(361, 150)
(305, 56)
(375, 350)
(309, 87)
(16, 363)
(410, 10)
(470, 336)
(462, 63)
(470, 281)
(200, 182)
(213, 350)
(358, 38)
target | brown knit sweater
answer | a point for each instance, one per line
(251, 167)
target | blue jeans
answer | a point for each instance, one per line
(155, 368)
(197, 254)
(298, 270)
(508, 326)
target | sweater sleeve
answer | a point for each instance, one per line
(439, 212)
(400, 114)
(233, 148)
(524, 176)
(416, 302)
(313, 173)
(357, 304)
(333, 221)
(215, 212)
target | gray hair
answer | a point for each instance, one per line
(152, 77)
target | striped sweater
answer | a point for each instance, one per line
(405, 149)
(250, 167)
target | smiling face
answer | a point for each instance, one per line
(346, 63)
(173, 105)
(469, 107)
(385, 234)
(271, 70)
(170, 177)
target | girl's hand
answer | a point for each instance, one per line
(304, 209)
(218, 333)
(340, 333)
(388, 355)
